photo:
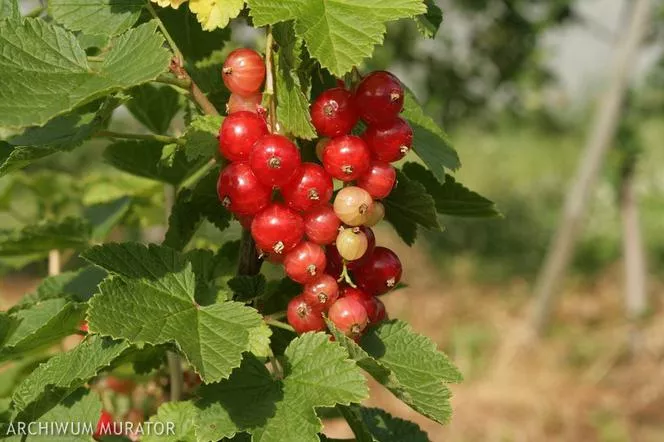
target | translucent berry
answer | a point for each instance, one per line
(305, 263)
(310, 187)
(238, 103)
(275, 160)
(322, 291)
(380, 273)
(243, 72)
(303, 317)
(346, 158)
(371, 244)
(351, 243)
(353, 205)
(333, 113)
(277, 229)
(321, 225)
(376, 214)
(240, 191)
(349, 316)
(379, 97)
(390, 142)
(378, 180)
(238, 133)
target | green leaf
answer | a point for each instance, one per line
(154, 303)
(105, 216)
(213, 14)
(102, 17)
(154, 106)
(408, 364)
(144, 158)
(409, 205)
(194, 43)
(66, 79)
(42, 324)
(317, 374)
(451, 198)
(182, 416)
(191, 206)
(200, 139)
(247, 287)
(387, 428)
(429, 23)
(338, 33)
(430, 142)
(82, 407)
(61, 134)
(292, 103)
(65, 372)
(352, 415)
(71, 233)
(9, 8)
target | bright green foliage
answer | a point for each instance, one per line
(429, 23)
(154, 106)
(451, 198)
(42, 324)
(82, 406)
(105, 17)
(47, 235)
(200, 140)
(65, 372)
(338, 33)
(9, 8)
(154, 302)
(430, 142)
(317, 373)
(103, 217)
(408, 206)
(183, 415)
(292, 103)
(408, 364)
(144, 158)
(67, 79)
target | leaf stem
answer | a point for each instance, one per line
(167, 35)
(132, 136)
(183, 83)
(277, 315)
(269, 80)
(279, 324)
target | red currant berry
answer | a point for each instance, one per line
(238, 133)
(240, 191)
(333, 113)
(320, 147)
(243, 72)
(379, 97)
(305, 262)
(321, 225)
(349, 316)
(346, 158)
(238, 103)
(335, 263)
(374, 306)
(118, 385)
(379, 180)
(389, 142)
(353, 205)
(379, 313)
(277, 229)
(104, 425)
(303, 317)
(371, 244)
(274, 159)
(351, 243)
(380, 273)
(310, 187)
(322, 291)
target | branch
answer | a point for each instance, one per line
(182, 83)
(152, 137)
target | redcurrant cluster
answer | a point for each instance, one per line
(285, 202)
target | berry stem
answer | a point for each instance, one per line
(129, 136)
(268, 93)
(277, 315)
(278, 324)
(345, 276)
